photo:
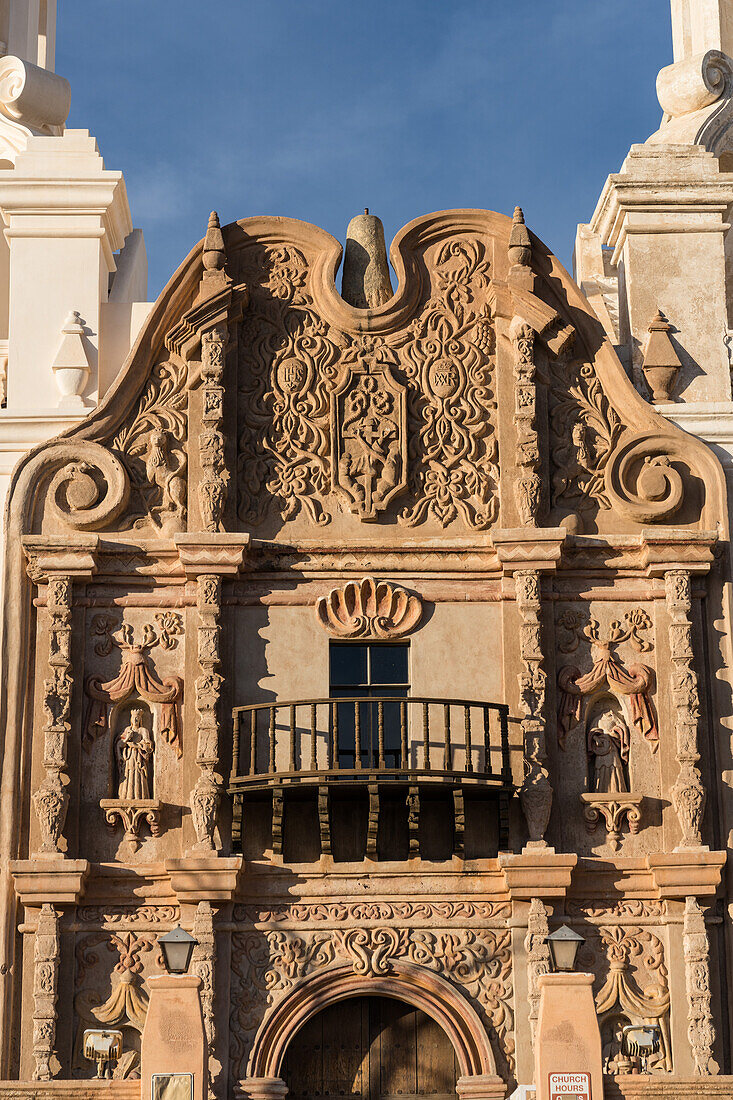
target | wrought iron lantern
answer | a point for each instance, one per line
(177, 946)
(564, 945)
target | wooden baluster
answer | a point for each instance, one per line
(373, 822)
(314, 746)
(426, 736)
(460, 820)
(324, 820)
(253, 742)
(235, 743)
(487, 740)
(272, 739)
(467, 728)
(292, 738)
(357, 735)
(404, 762)
(413, 819)
(380, 732)
(335, 725)
(446, 734)
(329, 737)
(505, 761)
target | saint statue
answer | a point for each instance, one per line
(614, 1059)
(133, 750)
(608, 745)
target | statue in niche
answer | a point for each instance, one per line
(614, 1059)
(608, 747)
(133, 752)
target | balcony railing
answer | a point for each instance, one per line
(414, 746)
(317, 740)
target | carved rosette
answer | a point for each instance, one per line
(46, 952)
(213, 486)
(528, 488)
(204, 966)
(538, 958)
(536, 793)
(688, 793)
(696, 949)
(51, 799)
(206, 795)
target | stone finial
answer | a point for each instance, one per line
(71, 365)
(520, 245)
(661, 363)
(365, 282)
(214, 254)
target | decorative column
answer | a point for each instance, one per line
(526, 553)
(204, 965)
(213, 486)
(536, 792)
(51, 799)
(46, 954)
(538, 958)
(696, 948)
(688, 793)
(528, 486)
(206, 559)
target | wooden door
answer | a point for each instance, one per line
(375, 1048)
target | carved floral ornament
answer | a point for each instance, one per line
(369, 609)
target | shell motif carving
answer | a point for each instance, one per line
(369, 609)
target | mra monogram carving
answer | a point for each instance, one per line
(333, 420)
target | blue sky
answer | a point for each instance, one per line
(315, 109)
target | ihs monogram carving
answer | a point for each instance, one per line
(696, 948)
(266, 964)
(151, 445)
(46, 957)
(584, 429)
(688, 793)
(332, 420)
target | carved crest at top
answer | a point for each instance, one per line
(331, 420)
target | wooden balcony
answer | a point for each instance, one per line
(386, 749)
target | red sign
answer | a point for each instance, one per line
(569, 1086)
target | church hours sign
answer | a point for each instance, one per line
(569, 1086)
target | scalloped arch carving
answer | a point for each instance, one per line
(369, 609)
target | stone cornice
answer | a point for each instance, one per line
(72, 556)
(221, 554)
(535, 548)
(56, 881)
(673, 549)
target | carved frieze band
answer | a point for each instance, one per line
(688, 793)
(45, 991)
(213, 487)
(696, 949)
(528, 486)
(206, 795)
(51, 798)
(536, 792)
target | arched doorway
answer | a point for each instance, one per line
(373, 1047)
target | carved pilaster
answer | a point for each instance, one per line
(45, 991)
(204, 965)
(528, 486)
(696, 950)
(206, 795)
(51, 799)
(688, 793)
(536, 792)
(538, 958)
(214, 475)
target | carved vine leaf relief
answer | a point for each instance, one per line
(584, 429)
(332, 421)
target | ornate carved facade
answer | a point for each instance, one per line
(459, 587)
